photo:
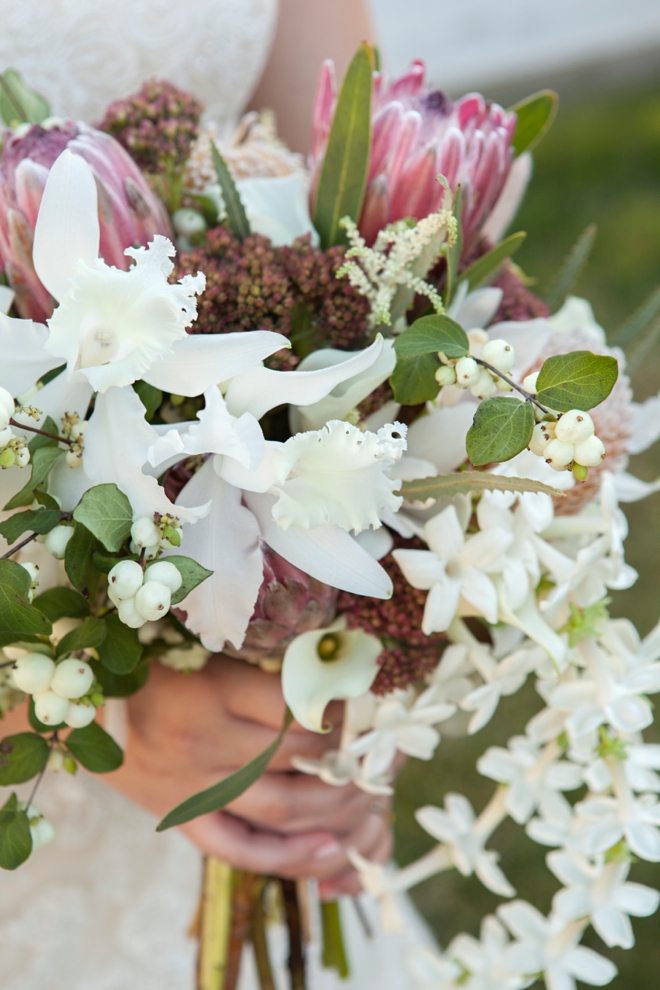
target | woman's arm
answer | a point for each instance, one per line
(308, 31)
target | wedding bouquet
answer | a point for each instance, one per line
(312, 416)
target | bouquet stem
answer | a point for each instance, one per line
(215, 923)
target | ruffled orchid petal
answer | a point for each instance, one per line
(261, 389)
(326, 553)
(226, 541)
(117, 441)
(67, 229)
(309, 682)
(25, 359)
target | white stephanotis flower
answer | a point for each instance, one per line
(558, 824)
(326, 664)
(640, 763)
(637, 819)
(600, 892)
(485, 958)
(432, 971)
(501, 679)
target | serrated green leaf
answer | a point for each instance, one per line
(413, 380)
(55, 603)
(220, 795)
(18, 103)
(15, 838)
(39, 440)
(192, 574)
(150, 397)
(578, 380)
(572, 267)
(501, 428)
(236, 214)
(535, 116)
(343, 177)
(79, 560)
(22, 757)
(88, 635)
(464, 482)
(17, 615)
(486, 267)
(42, 461)
(454, 251)
(95, 749)
(431, 334)
(121, 649)
(107, 514)
(30, 521)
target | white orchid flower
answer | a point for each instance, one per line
(327, 664)
(277, 206)
(113, 327)
(601, 893)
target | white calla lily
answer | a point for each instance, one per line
(277, 206)
(327, 664)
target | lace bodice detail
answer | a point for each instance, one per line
(81, 54)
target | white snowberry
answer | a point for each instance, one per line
(166, 573)
(148, 553)
(467, 372)
(6, 434)
(558, 454)
(540, 440)
(144, 532)
(50, 708)
(590, 453)
(22, 457)
(79, 715)
(42, 832)
(33, 571)
(500, 354)
(529, 382)
(153, 600)
(484, 386)
(575, 426)
(445, 375)
(72, 679)
(78, 430)
(33, 673)
(129, 615)
(56, 541)
(124, 579)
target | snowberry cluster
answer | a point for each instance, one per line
(151, 535)
(62, 692)
(57, 539)
(13, 449)
(569, 443)
(468, 372)
(74, 429)
(33, 571)
(142, 595)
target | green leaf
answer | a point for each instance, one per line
(343, 177)
(79, 560)
(105, 562)
(639, 320)
(334, 951)
(41, 726)
(18, 103)
(39, 440)
(95, 749)
(42, 461)
(413, 380)
(572, 267)
(46, 500)
(207, 207)
(16, 613)
(464, 482)
(578, 380)
(501, 428)
(32, 521)
(485, 267)
(150, 397)
(220, 795)
(431, 334)
(454, 251)
(107, 514)
(22, 757)
(302, 330)
(121, 649)
(89, 634)
(535, 116)
(640, 347)
(236, 214)
(120, 685)
(55, 603)
(192, 574)
(15, 838)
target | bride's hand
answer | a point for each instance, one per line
(186, 732)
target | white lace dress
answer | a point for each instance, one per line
(108, 905)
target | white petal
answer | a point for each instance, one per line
(478, 589)
(377, 542)
(637, 899)
(479, 308)
(277, 206)
(439, 437)
(58, 397)
(529, 620)
(523, 920)
(226, 542)
(444, 534)
(646, 425)
(644, 840)
(421, 568)
(441, 605)
(419, 741)
(492, 876)
(218, 432)
(631, 489)
(24, 358)
(7, 296)
(613, 926)
(67, 228)
(572, 903)
(326, 553)
(200, 360)
(589, 966)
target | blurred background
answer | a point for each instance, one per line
(599, 163)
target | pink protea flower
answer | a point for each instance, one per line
(419, 134)
(129, 213)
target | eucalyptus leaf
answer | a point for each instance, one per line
(30, 521)
(56, 603)
(22, 757)
(413, 380)
(536, 114)
(17, 615)
(192, 574)
(88, 635)
(501, 428)
(343, 177)
(220, 795)
(107, 514)
(577, 380)
(121, 649)
(15, 838)
(572, 267)
(236, 214)
(42, 461)
(18, 103)
(95, 749)
(486, 267)
(454, 250)
(464, 482)
(79, 560)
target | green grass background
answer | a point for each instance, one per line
(601, 163)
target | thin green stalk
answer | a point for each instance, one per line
(334, 952)
(259, 940)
